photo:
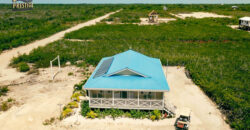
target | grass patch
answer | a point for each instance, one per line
(23, 67)
(3, 90)
(5, 105)
(49, 121)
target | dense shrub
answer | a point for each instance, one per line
(75, 96)
(4, 106)
(66, 112)
(23, 67)
(157, 114)
(84, 108)
(73, 105)
(91, 114)
(152, 117)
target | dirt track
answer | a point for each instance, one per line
(7, 73)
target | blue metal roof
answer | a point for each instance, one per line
(148, 73)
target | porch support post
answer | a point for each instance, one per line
(89, 96)
(113, 96)
(138, 98)
(163, 100)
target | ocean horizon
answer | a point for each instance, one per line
(134, 1)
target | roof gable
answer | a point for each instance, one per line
(127, 72)
(153, 12)
(134, 61)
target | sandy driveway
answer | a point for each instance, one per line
(7, 73)
(183, 93)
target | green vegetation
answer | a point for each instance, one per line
(114, 113)
(3, 90)
(70, 73)
(78, 87)
(5, 105)
(23, 67)
(73, 104)
(216, 56)
(49, 121)
(22, 27)
(68, 109)
(91, 114)
(84, 108)
(66, 112)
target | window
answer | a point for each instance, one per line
(159, 95)
(124, 94)
(132, 95)
(100, 94)
(151, 95)
(117, 94)
(107, 94)
(143, 95)
(93, 93)
(97, 94)
(121, 94)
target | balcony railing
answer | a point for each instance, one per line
(126, 103)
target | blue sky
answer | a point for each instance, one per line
(137, 1)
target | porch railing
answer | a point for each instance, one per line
(125, 103)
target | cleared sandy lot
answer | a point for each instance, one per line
(200, 15)
(38, 99)
(183, 93)
(144, 21)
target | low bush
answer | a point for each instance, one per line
(4, 106)
(78, 88)
(23, 67)
(49, 121)
(72, 105)
(153, 117)
(66, 112)
(127, 114)
(157, 114)
(70, 73)
(10, 100)
(84, 108)
(3, 90)
(91, 114)
(75, 96)
(138, 114)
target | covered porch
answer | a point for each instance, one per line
(126, 99)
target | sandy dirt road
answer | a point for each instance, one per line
(7, 73)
